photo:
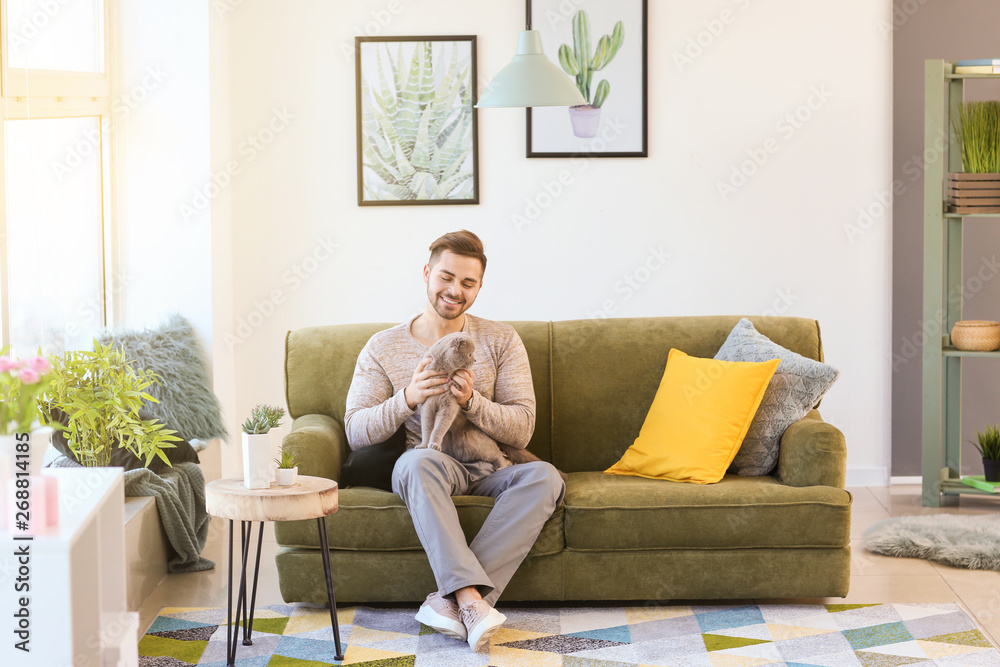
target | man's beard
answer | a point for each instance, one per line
(435, 303)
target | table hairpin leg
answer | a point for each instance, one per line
(324, 546)
(233, 626)
(248, 619)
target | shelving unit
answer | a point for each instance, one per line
(942, 381)
(77, 596)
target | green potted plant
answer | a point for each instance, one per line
(988, 444)
(977, 131)
(257, 445)
(287, 472)
(94, 397)
(581, 62)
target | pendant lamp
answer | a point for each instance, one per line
(530, 80)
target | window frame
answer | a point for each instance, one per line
(66, 94)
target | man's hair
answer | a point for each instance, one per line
(463, 243)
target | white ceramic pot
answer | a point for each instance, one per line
(286, 476)
(256, 460)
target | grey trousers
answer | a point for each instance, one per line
(526, 495)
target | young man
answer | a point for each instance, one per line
(390, 382)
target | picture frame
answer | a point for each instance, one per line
(618, 126)
(417, 128)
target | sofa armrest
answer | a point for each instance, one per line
(319, 445)
(813, 453)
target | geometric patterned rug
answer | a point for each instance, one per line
(796, 635)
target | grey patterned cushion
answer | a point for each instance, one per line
(796, 387)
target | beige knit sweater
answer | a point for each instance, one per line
(503, 403)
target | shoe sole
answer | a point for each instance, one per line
(484, 639)
(442, 624)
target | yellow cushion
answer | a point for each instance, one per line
(698, 419)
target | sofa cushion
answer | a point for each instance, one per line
(605, 513)
(795, 389)
(372, 465)
(373, 520)
(597, 363)
(699, 416)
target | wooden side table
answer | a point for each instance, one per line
(309, 498)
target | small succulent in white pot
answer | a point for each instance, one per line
(287, 472)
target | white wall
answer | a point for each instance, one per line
(779, 242)
(162, 113)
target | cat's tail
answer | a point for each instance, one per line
(517, 455)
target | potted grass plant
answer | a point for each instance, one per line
(287, 472)
(988, 444)
(257, 445)
(977, 131)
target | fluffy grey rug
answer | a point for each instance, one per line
(187, 403)
(971, 542)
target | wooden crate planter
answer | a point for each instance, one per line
(969, 194)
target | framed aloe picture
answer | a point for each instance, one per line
(601, 45)
(417, 128)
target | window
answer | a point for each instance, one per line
(56, 222)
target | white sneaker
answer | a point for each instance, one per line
(481, 621)
(441, 614)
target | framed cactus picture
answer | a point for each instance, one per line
(417, 129)
(601, 45)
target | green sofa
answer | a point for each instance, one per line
(614, 537)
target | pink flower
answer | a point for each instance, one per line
(40, 365)
(29, 376)
(7, 364)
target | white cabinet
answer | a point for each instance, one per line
(76, 577)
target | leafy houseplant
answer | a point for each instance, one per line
(287, 470)
(580, 64)
(257, 445)
(988, 444)
(416, 133)
(94, 398)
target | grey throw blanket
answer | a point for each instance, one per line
(180, 500)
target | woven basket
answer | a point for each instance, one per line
(976, 335)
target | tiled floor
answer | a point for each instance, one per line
(874, 578)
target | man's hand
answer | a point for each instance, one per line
(462, 385)
(423, 385)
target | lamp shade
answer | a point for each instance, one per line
(531, 80)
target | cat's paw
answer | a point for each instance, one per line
(435, 446)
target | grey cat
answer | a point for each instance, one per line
(443, 424)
